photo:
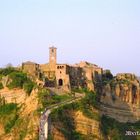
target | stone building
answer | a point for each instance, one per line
(64, 76)
(33, 69)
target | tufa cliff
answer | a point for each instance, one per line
(120, 98)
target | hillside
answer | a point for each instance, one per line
(21, 104)
(84, 121)
(107, 113)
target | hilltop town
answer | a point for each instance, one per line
(64, 76)
(67, 102)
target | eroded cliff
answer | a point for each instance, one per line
(120, 98)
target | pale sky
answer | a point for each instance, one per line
(104, 32)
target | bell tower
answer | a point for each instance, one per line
(52, 58)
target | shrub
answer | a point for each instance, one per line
(7, 71)
(2, 101)
(28, 86)
(116, 130)
(8, 115)
(1, 76)
(18, 79)
(90, 99)
(9, 125)
(1, 86)
(46, 98)
(7, 108)
(107, 77)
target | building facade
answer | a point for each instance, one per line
(64, 76)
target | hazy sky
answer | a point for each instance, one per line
(104, 32)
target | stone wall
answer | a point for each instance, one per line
(31, 68)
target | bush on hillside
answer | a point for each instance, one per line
(107, 77)
(2, 100)
(7, 71)
(10, 123)
(28, 86)
(63, 115)
(116, 130)
(1, 85)
(7, 108)
(8, 116)
(18, 79)
(47, 99)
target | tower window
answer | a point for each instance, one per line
(60, 82)
(52, 50)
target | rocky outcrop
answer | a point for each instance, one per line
(122, 95)
(89, 128)
(5, 81)
(13, 96)
(57, 135)
(86, 125)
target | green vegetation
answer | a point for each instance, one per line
(28, 86)
(21, 127)
(8, 116)
(7, 71)
(2, 101)
(1, 86)
(47, 99)
(18, 79)
(8, 109)
(18, 126)
(116, 131)
(10, 123)
(107, 77)
(87, 104)
(80, 90)
(63, 115)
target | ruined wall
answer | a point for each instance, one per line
(31, 68)
(77, 77)
(89, 77)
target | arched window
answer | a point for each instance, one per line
(60, 82)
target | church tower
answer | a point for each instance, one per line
(52, 58)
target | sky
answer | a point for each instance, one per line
(103, 32)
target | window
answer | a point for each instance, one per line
(60, 82)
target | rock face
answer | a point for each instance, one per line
(57, 135)
(13, 96)
(5, 80)
(90, 128)
(87, 126)
(121, 98)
